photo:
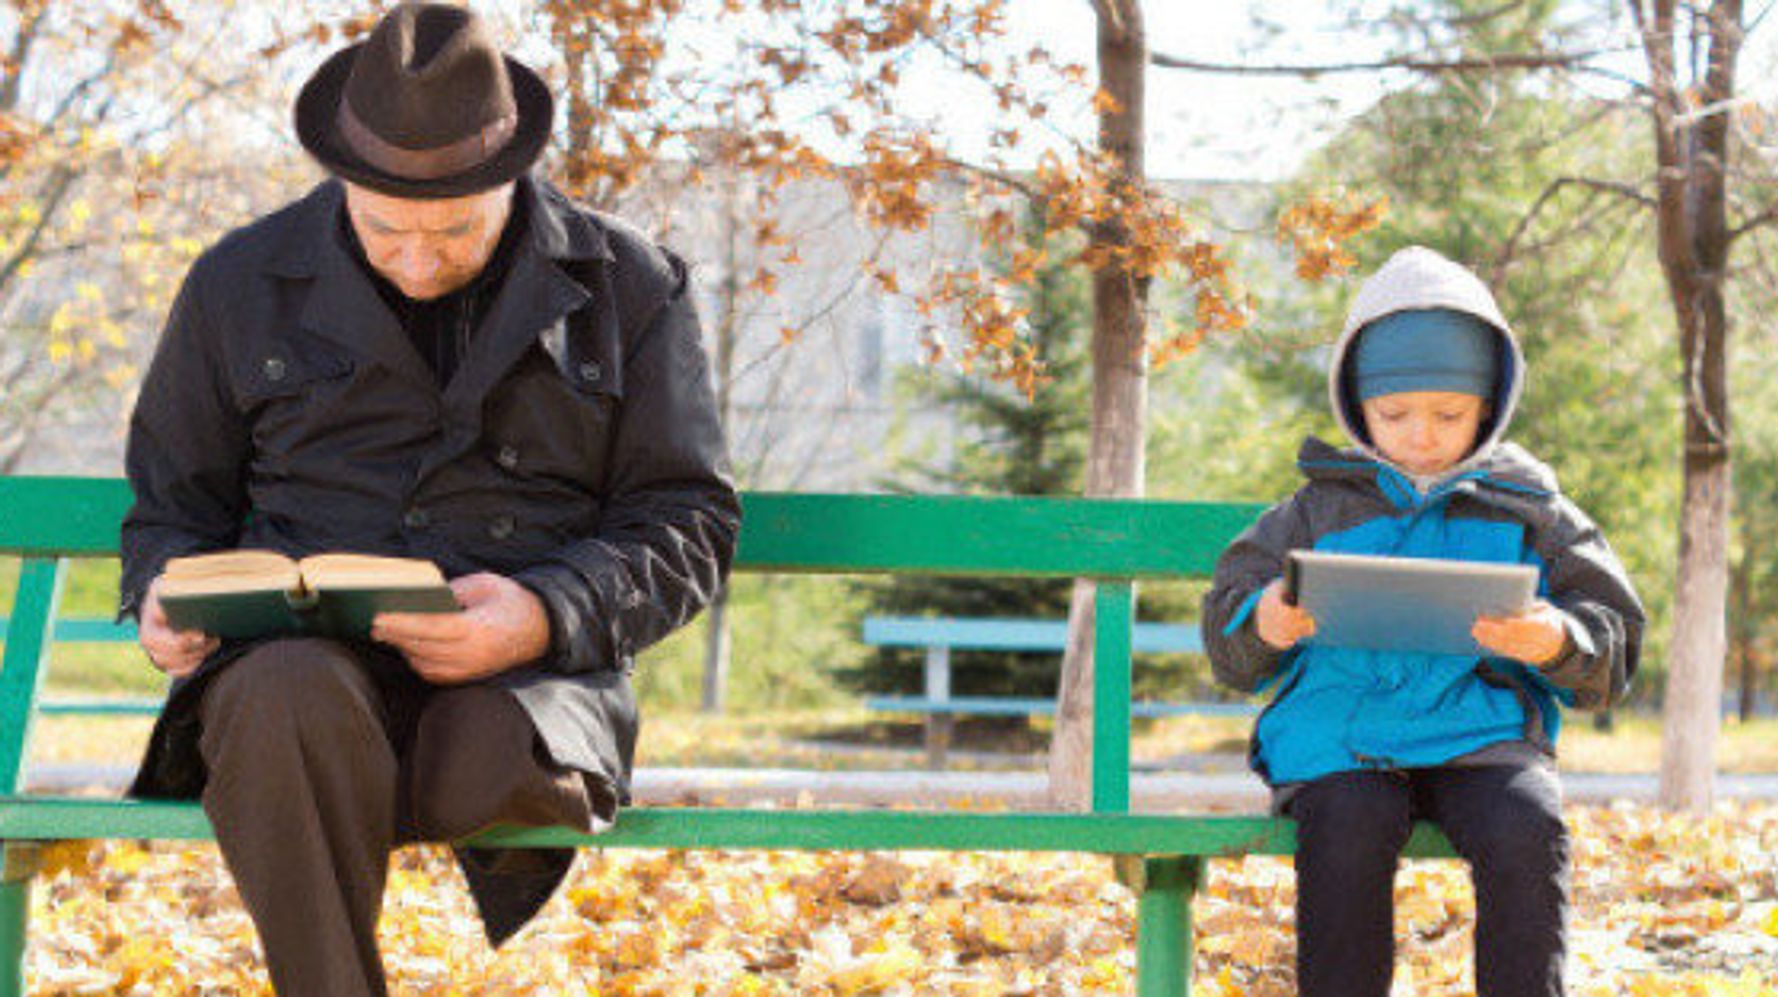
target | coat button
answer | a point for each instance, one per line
(508, 457)
(415, 519)
(590, 372)
(502, 527)
(275, 369)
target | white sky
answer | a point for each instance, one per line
(1225, 127)
(1205, 126)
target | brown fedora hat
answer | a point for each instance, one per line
(426, 107)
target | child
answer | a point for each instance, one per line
(1358, 744)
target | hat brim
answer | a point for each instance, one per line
(317, 115)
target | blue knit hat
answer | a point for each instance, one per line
(1433, 349)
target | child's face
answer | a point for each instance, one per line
(1424, 432)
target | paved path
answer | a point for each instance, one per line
(1157, 791)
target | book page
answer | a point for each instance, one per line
(366, 571)
(229, 571)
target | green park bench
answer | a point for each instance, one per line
(937, 637)
(1161, 857)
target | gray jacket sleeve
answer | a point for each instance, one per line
(1605, 617)
(668, 528)
(1238, 657)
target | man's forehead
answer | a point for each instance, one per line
(423, 214)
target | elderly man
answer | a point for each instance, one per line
(431, 355)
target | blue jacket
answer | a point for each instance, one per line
(1341, 709)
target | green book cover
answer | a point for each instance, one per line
(235, 615)
(255, 593)
(347, 612)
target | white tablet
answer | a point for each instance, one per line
(1404, 603)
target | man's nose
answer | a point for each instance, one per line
(415, 262)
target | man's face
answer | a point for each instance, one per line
(1424, 432)
(428, 248)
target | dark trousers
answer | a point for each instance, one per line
(1506, 820)
(322, 758)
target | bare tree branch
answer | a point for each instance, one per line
(1509, 249)
(1480, 64)
(1755, 223)
(58, 185)
(16, 61)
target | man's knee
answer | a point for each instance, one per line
(472, 748)
(299, 685)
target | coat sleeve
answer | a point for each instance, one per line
(670, 520)
(1238, 657)
(187, 452)
(1605, 617)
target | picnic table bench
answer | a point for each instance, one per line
(1161, 857)
(939, 636)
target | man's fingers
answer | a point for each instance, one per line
(418, 627)
(477, 588)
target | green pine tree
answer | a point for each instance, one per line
(1006, 444)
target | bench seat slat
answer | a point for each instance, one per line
(41, 818)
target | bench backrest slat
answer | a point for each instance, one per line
(88, 630)
(1114, 542)
(1015, 634)
(793, 532)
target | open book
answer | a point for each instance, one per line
(255, 593)
(1404, 603)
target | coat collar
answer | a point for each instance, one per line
(538, 291)
(1506, 468)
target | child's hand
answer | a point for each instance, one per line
(1279, 624)
(1535, 636)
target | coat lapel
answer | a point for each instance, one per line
(344, 307)
(536, 296)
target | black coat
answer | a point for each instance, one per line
(577, 450)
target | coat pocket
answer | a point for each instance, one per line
(284, 371)
(554, 417)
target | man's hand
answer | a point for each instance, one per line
(1280, 624)
(176, 652)
(503, 624)
(1536, 636)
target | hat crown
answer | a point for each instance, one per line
(1434, 349)
(429, 76)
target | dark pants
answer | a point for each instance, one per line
(1505, 820)
(322, 758)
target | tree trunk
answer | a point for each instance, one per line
(1745, 630)
(1692, 711)
(717, 640)
(1692, 153)
(716, 652)
(1120, 386)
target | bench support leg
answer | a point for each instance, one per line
(1164, 925)
(17, 867)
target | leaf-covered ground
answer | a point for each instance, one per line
(1663, 905)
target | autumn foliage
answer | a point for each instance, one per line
(791, 91)
(1663, 905)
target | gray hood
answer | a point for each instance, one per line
(1413, 279)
